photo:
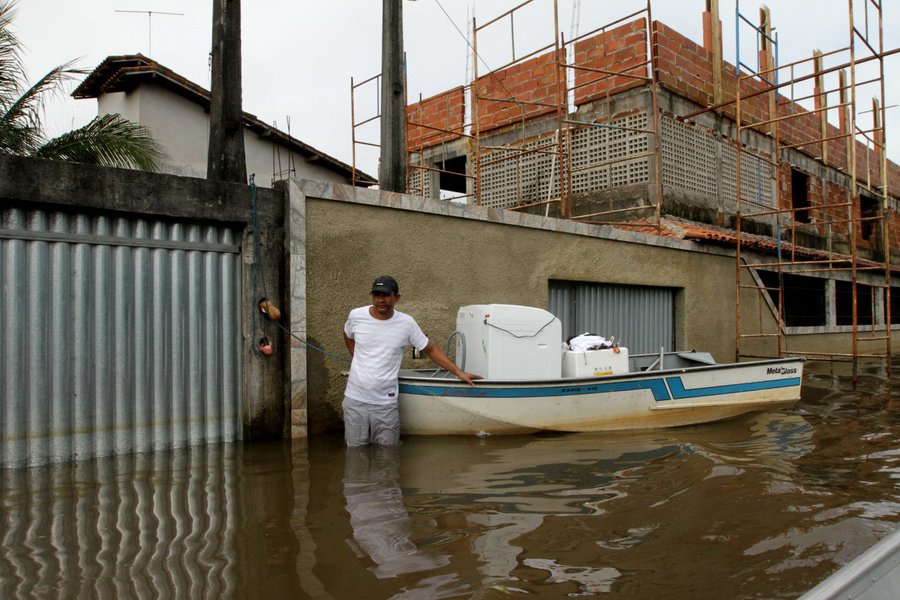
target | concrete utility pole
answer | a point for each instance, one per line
(392, 168)
(225, 159)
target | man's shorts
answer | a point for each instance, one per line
(366, 423)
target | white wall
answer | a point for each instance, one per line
(182, 129)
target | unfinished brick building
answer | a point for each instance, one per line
(636, 126)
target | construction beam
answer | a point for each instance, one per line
(712, 41)
(821, 102)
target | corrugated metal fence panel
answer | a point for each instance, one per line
(133, 526)
(640, 317)
(120, 334)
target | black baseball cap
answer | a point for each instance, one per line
(385, 284)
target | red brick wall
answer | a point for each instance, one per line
(685, 67)
(829, 208)
(445, 111)
(534, 80)
(894, 224)
(836, 214)
(823, 203)
(806, 127)
(620, 50)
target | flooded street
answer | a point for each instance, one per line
(763, 506)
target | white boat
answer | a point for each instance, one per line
(533, 384)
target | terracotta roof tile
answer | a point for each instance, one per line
(703, 233)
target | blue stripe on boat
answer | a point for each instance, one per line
(656, 386)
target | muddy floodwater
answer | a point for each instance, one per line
(763, 506)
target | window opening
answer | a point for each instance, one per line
(895, 304)
(843, 293)
(800, 196)
(868, 210)
(452, 175)
(804, 298)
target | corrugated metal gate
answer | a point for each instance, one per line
(642, 318)
(120, 334)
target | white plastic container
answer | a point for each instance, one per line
(506, 341)
(594, 363)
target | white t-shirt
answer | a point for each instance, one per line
(377, 353)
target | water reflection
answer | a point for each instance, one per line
(566, 511)
(381, 524)
(763, 506)
(136, 526)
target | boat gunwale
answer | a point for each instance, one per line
(405, 374)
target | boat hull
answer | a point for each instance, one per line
(434, 405)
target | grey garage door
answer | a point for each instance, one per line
(642, 318)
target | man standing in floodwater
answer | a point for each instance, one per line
(376, 337)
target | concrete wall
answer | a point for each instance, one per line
(445, 256)
(89, 189)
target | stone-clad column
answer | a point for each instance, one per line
(295, 251)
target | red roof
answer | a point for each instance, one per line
(703, 233)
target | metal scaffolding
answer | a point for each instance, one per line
(512, 145)
(646, 74)
(486, 153)
(557, 142)
(761, 105)
(356, 126)
(766, 80)
(421, 172)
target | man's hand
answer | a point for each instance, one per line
(442, 360)
(468, 377)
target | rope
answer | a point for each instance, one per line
(311, 345)
(256, 277)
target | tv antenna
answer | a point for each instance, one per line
(150, 14)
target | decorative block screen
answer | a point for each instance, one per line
(600, 154)
(520, 175)
(694, 160)
(599, 157)
(419, 181)
(606, 156)
(757, 180)
(688, 157)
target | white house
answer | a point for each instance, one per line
(176, 111)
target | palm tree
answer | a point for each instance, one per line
(108, 140)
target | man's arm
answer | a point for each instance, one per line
(441, 358)
(351, 344)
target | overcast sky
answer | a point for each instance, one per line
(299, 55)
